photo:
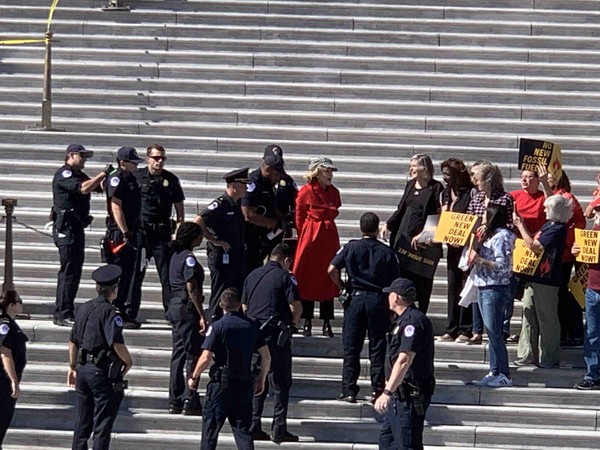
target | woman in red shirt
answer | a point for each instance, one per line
(317, 207)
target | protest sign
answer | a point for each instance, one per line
(589, 241)
(525, 261)
(533, 152)
(422, 261)
(578, 284)
(455, 228)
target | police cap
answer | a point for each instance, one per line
(78, 148)
(237, 176)
(402, 287)
(128, 154)
(107, 275)
(273, 149)
(274, 161)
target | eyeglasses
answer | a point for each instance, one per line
(158, 158)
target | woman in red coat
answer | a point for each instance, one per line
(317, 206)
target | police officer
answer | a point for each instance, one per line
(98, 361)
(286, 192)
(258, 205)
(161, 193)
(370, 266)
(271, 298)
(13, 357)
(409, 371)
(71, 191)
(230, 342)
(186, 314)
(224, 226)
(123, 242)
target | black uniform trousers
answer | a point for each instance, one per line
(279, 381)
(97, 407)
(7, 406)
(569, 312)
(187, 343)
(366, 313)
(71, 258)
(402, 428)
(224, 276)
(158, 237)
(233, 404)
(128, 258)
(424, 287)
(460, 319)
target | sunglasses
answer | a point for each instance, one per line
(158, 158)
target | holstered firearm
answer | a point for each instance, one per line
(413, 396)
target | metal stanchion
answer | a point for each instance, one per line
(9, 206)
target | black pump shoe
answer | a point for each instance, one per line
(307, 329)
(327, 329)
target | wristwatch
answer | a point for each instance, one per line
(388, 392)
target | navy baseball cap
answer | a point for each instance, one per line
(107, 275)
(128, 154)
(275, 161)
(401, 286)
(238, 175)
(273, 149)
(78, 148)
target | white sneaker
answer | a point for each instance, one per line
(500, 381)
(485, 380)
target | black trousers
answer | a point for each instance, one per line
(402, 429)
(233, 404)
(460, 319)
(71, 256)
(7, 406)
(187, 343)
(367, 313)
(279, 382)
(325, 309)
(97, 406)
(157, 247)
(223, 276)
(424, 287)
(569, 312)
(128, 258)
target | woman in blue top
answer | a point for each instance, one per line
(492, 268)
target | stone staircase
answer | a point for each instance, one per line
(367, 83)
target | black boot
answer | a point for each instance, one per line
(327, 328)
(307, 330)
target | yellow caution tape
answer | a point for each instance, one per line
(34, 41)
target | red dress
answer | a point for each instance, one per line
(318, 240)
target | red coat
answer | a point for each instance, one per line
(318, 240)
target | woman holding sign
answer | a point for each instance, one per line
(539, 342)
(492, 267)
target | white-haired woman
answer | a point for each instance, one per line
(317, 206)
(539, 343)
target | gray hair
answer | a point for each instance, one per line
(491, 175)
(560, 208)
(425, 162)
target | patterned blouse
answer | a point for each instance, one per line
(499, 197)
(499, 249)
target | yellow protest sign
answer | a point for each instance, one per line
(578, 284)
(454, 228)
(589, 241)
(525, 261)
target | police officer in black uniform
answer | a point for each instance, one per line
(71, 191)
(370, 266)
(224, 226)
(123, 243)
(271, 298)
(161, 193)
(98, 361)
(264, 225)
(187, 316)
(13, 357)
(286, 192)
(409, 371)
(230, 342)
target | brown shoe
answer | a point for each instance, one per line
(462, 339)
(477, 339)
(445, 337)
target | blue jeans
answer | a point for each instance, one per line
(477, 319)
(492, 303)
(591, 345)
(510, 303)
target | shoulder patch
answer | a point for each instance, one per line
(212, 206)
(190, 261)
(209, 331)
(114, 181)
(294, 280)
(250, 187)
(118, 321)
(409, 331)
(166, 183)
(4, 329)
(66, 173)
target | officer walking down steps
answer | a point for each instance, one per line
(409, 371)
(98, 361)
(231, 342)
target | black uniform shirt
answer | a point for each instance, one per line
(183, 268)
(413, 331)
(370, 264)
(268, 291)
(226, 221)
(124, 186)
(286, 192)
(66, 193)
(237, 335)
(159, 194)
(13, 339)
(260, 194)
(97, 326)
